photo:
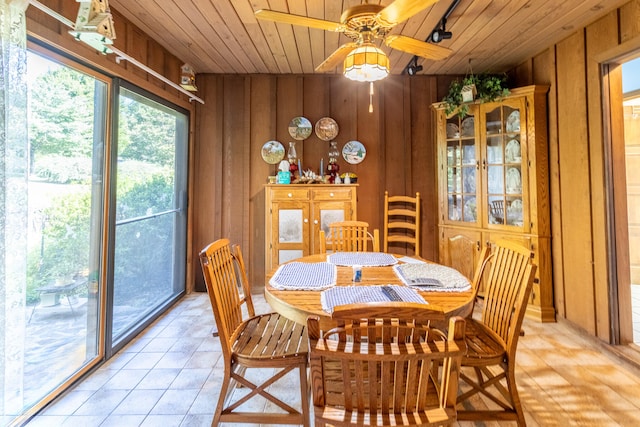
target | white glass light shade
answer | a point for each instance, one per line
(366, 63)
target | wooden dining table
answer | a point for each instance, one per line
(297, 305)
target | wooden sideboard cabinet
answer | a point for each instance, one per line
(296, 213)
(493, 183)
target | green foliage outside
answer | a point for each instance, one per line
(61, 150)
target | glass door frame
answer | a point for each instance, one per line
(54, 55)
(111, 346)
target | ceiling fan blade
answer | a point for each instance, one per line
(417, 47)
(288, 18)
(401, 10)
(336, 58)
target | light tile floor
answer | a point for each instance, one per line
(635, 305)
(170, 376)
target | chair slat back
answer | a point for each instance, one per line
(386, 362)
(349, 236)
(402, 221)
(222, 282)
(508, 288)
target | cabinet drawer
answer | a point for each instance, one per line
(289, 194)
(332, 194)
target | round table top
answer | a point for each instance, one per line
(298, 305)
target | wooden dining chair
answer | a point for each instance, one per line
(266, 341)
(384, 365)
(349, 236)
(401, 221)
(492, 340)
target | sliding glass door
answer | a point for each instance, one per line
(94, 226)
(53, 308)
(150, 209)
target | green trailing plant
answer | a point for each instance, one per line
(489, 87)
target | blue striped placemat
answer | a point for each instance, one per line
(365, 259)
(304, 276)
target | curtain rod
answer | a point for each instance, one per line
(120, 55)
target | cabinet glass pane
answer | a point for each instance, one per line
(469, 181)
(462, 168)
(504, 166)
(469, 212)
(329, 216)
(496, 210)
(290, 226)
(514, 211)
(494, 150)
(455, 207)
(495, 177)
(513, 180)
(285, 255)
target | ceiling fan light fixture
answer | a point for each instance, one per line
(366, 63)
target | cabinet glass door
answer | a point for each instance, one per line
(462, 169)
(292, 222)
(503, 161)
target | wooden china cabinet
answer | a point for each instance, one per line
(295, 213)
(493, 183)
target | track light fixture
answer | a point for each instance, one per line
(441, 33)
(414, 68)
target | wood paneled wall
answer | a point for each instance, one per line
(578, 167)
(244, 112)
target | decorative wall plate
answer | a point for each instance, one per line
(513, 121)
(514, 182)
(452, 130)
(512, 151)
(468, 126)
(327, 129)
(353, 152)
(272, 152)
(300, 128)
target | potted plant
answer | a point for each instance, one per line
(482, 88)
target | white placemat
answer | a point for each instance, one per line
(365, 259)
(432, 277)
(341, 295)
(304, 276)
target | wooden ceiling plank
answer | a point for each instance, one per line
(490, 21)
(146, 15)
(272, 36)
(247, 16)
(303, 40)
(577, 14)
(228, 35)
(223, 36)
(205, 22)
(287, 38)
(315, 9)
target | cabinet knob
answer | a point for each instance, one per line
(306, 220)
(315, 222)
(330, 194)
(290, 195)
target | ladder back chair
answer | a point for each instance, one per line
(384, 365)
(492, 340)
(401, 221)
(267, 341)
(349, 236)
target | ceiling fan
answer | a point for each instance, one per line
(364, 24)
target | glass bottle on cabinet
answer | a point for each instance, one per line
(462, 169)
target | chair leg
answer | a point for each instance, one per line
(483, 384)
(304, 393)
(224, 395)
(515, 396)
